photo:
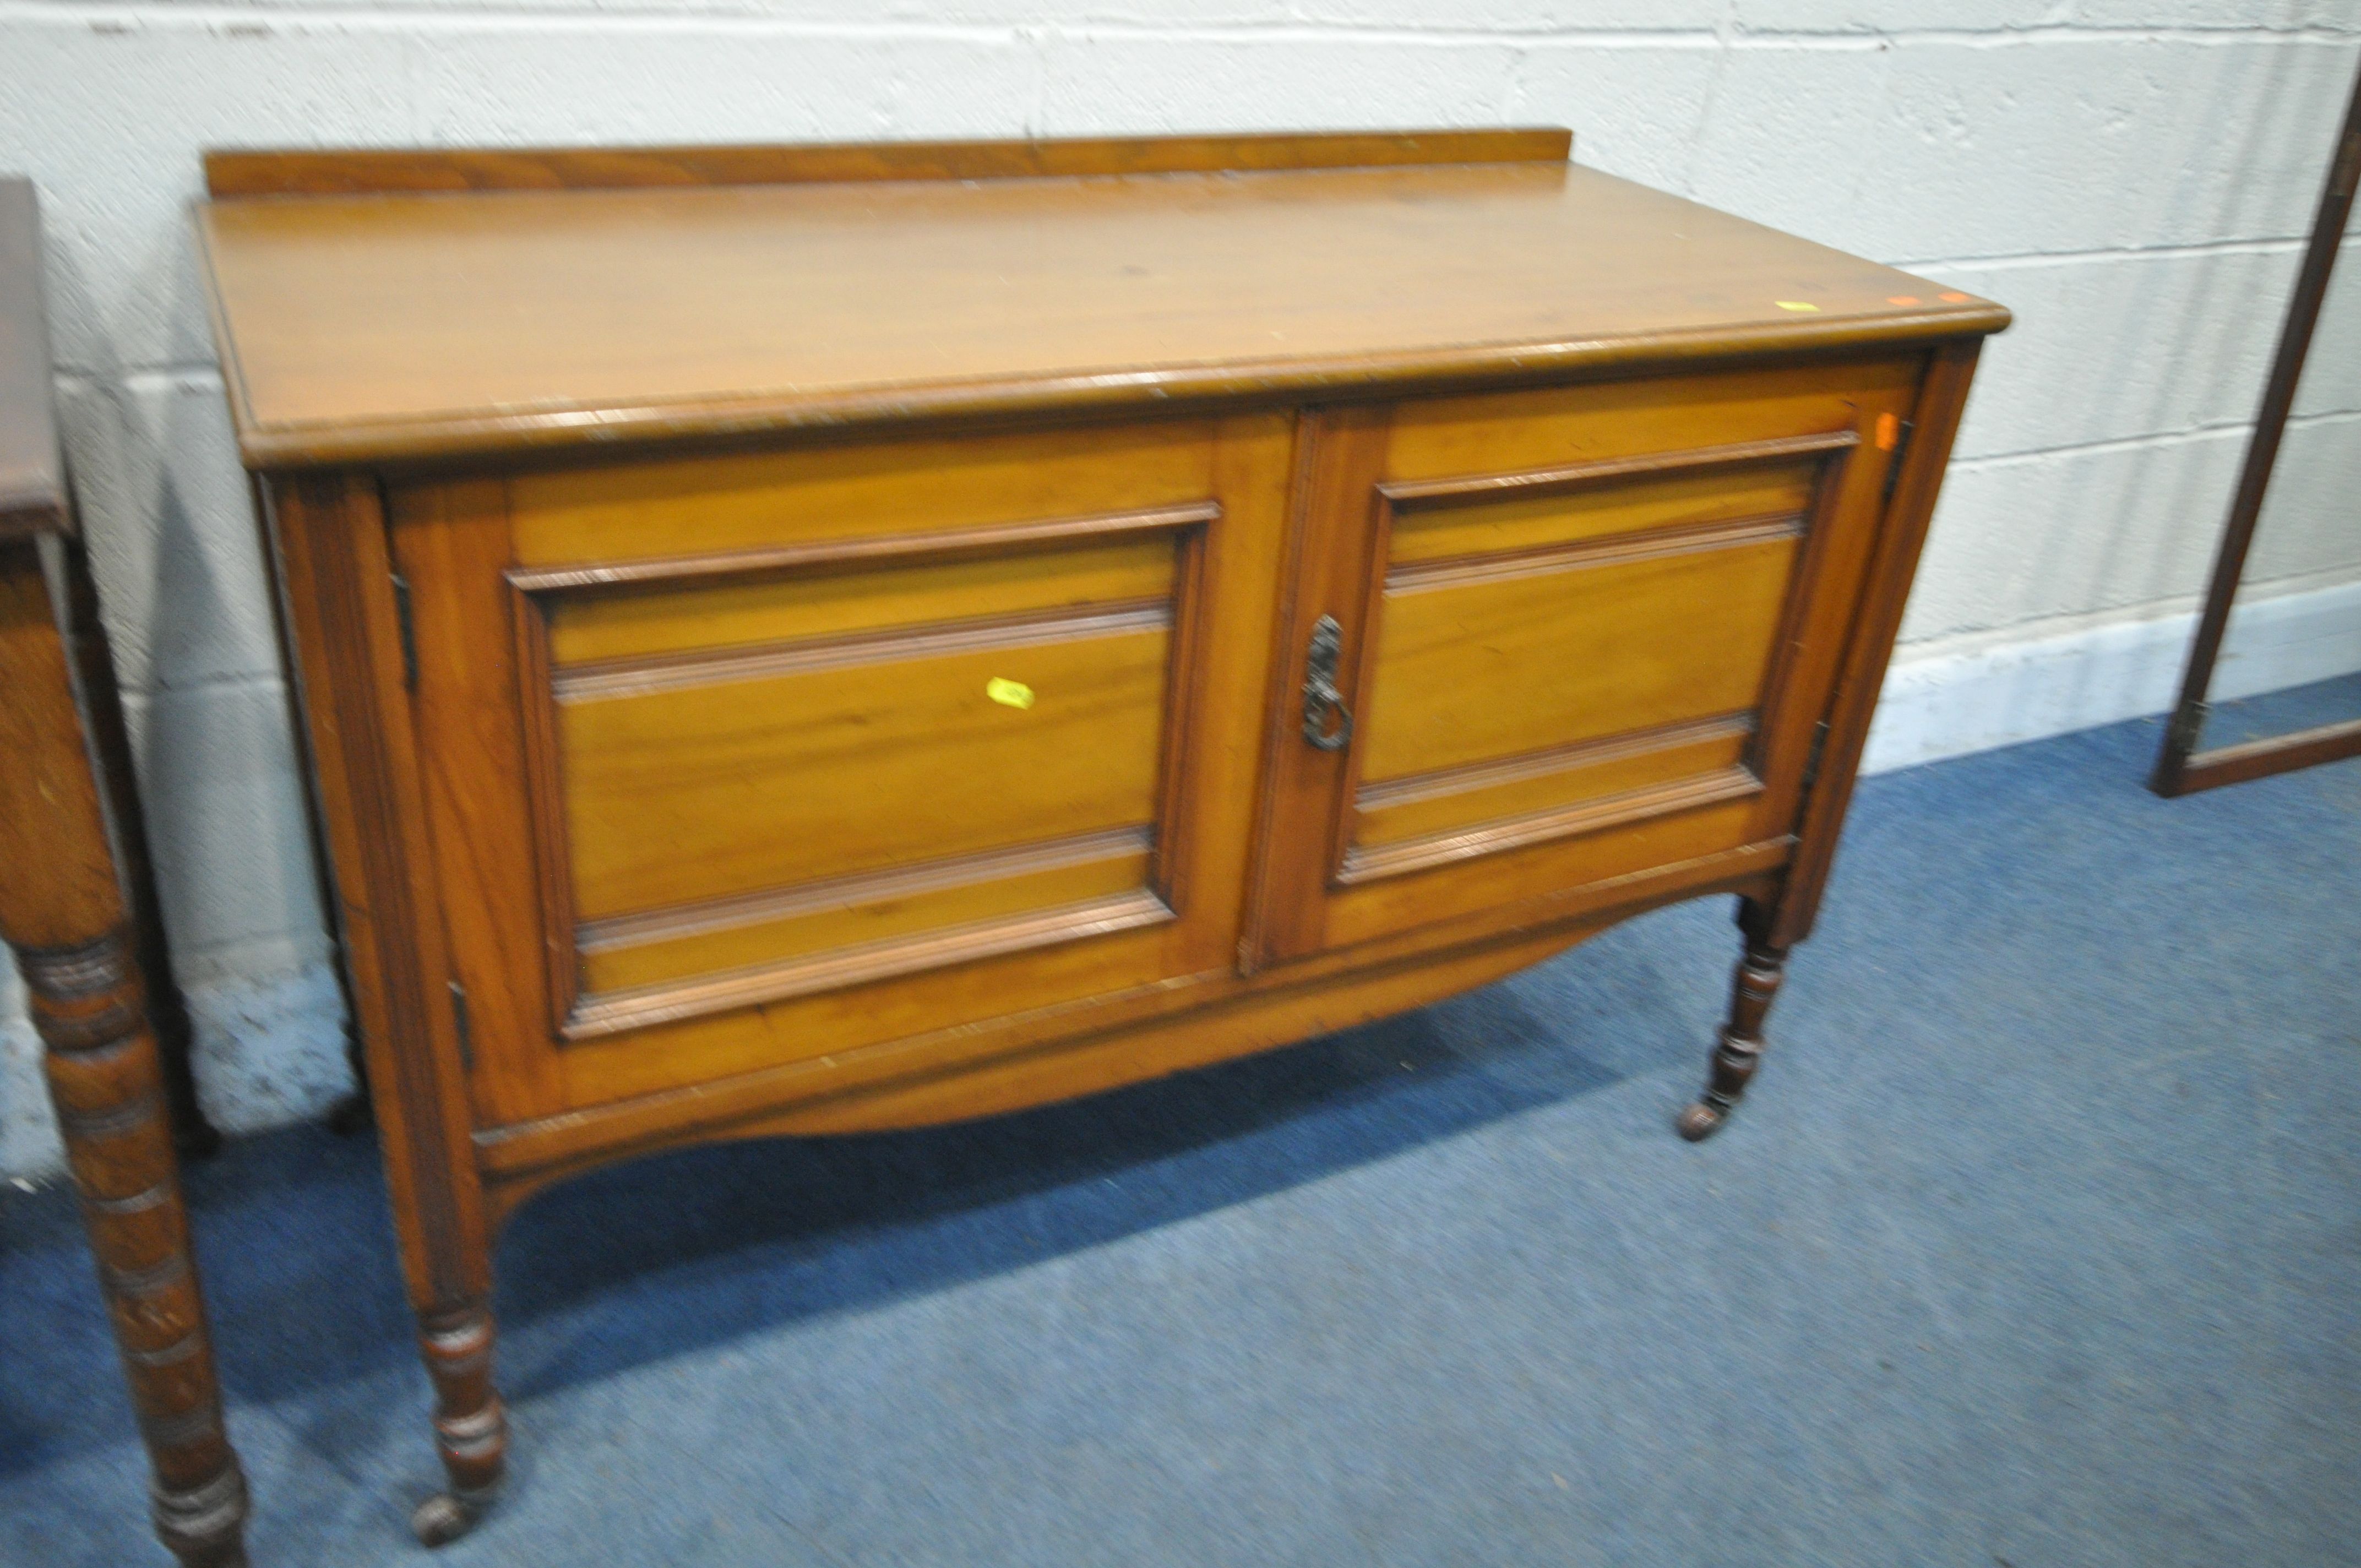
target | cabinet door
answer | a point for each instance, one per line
(739, 762)
(1551, 648)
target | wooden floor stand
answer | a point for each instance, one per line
(2181, 767)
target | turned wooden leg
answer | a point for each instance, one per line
(1739, 1051)
(106, 1082)
(110, 738)
(471, 1430)
(330, 538)
(61, 908)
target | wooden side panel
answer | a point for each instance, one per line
(1854, 658)
(338, 586)
(1581, 629)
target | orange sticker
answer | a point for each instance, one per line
(1955, 299)
(1889, 431)
(1902, 300)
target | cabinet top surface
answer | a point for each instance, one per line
(407, 326)
(32, 483)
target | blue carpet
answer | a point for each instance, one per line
(2038, 1244)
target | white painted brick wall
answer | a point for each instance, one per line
(2133, 176)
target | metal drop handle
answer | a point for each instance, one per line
(1322, 700)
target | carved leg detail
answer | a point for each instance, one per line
(1739, 1051)
(471, 1430)
(108, 1087)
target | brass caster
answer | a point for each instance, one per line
(445, 1517)
(1700, 1120)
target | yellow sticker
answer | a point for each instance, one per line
(1796, 304)
(1008, 694)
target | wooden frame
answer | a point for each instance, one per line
(2181, 767)
(1347, 447)
(420, 545)
(577, 1015)
(1738, 782)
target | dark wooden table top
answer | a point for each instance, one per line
(408, 325)
(32, 480)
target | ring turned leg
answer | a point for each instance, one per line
(108, 1087)
(110, 738)
(61, 908)
(1739, 1051)
(471, 1429)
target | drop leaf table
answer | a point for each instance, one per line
(804, 640)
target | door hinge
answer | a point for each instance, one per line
(461, 1026)
(1812, 756)
(409, 631)
(1894, 463)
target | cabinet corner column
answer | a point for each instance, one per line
(335, 574)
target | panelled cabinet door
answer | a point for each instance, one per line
(1547, 643)
(718, 747)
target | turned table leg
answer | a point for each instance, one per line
(330, 539)
(62, 909)
(1739, 1052)
(110, 741)
(471, 1430)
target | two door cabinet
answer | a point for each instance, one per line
(811, 639)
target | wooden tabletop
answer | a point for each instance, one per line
(391, 326)
(32, 482)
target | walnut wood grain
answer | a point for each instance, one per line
(1876, 620)
(1545, 624)
(377, 172)
(336, 581)
(421, 327)
(1058, 1051)
(1441, 803)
